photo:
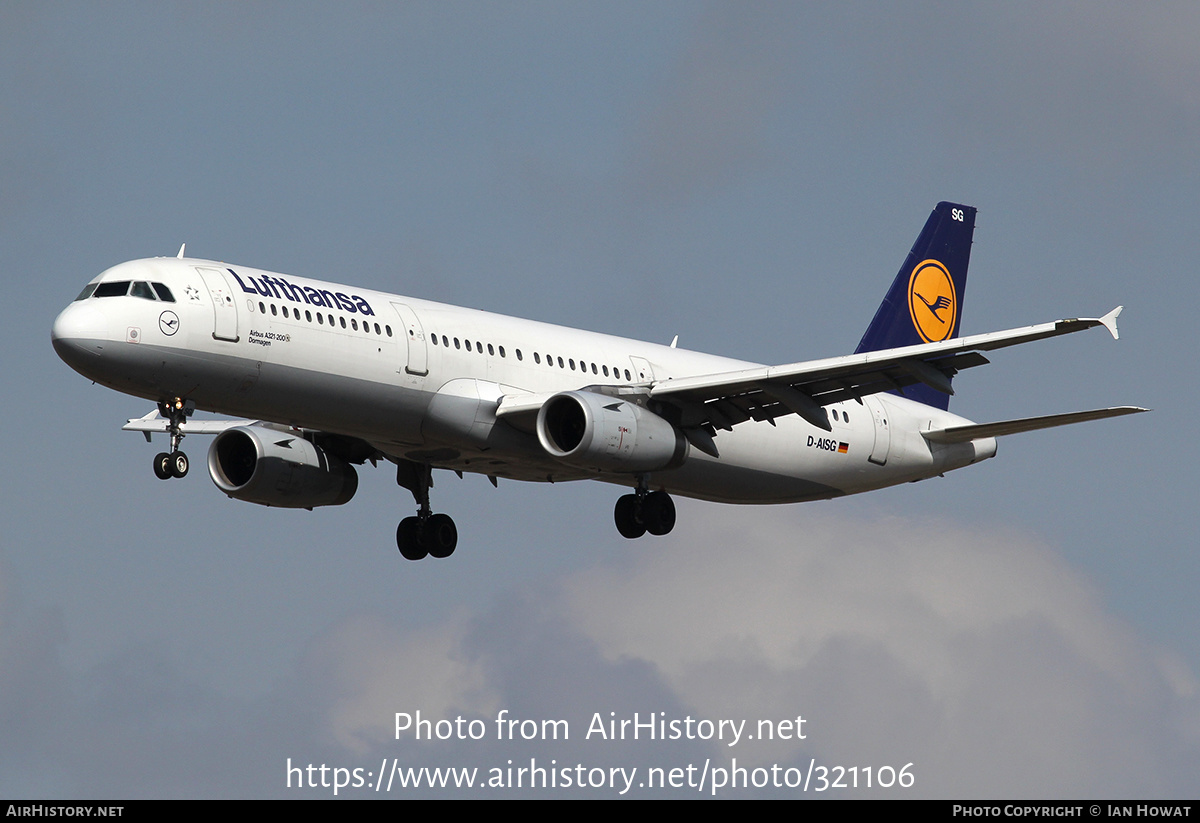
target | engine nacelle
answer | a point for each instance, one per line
(275, 468)
(588, 430)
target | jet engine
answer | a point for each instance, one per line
(276, 468)
(588, 430)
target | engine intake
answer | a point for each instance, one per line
(595, 431)
(273, 468)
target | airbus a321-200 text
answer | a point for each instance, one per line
(325, 377)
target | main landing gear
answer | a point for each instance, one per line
(427, 534)
(644, 511)
(173, 463)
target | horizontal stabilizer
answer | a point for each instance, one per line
(961, 434)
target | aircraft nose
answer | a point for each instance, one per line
(78, 335)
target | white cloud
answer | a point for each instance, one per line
(371, 670)
(981, 658)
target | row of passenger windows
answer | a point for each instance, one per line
(478, 346)
(133, 288)
(550, 360)
(294, 314)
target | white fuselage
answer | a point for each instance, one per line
(421, 381)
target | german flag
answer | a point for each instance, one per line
(843, 447)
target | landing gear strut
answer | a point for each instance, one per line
(173, 463)
(644, 511)
(427, 534)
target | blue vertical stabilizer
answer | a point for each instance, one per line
(924, 304)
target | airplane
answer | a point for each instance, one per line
(321, 377)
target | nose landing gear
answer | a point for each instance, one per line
(173, 463)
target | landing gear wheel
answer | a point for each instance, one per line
(658, 513)
(162, 466)
(408, 539)
(178, 464)
(625, 514)
(440, 535)
(173, 463)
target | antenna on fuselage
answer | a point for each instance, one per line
(182, 246)
(675, 341)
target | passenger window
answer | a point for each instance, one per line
(456, 344)
(627, 375)
(445, 342)
(273, 312)
(519, 356)
(308, 315)
(560, 363)
(537, 358)
(491, 351)
(321, 318)
(343, 321)
(605, 368)
(593, 368)
(501, 348)
(354, 327)
(389, 330)
(164, 294)
(377, 328)
(572, 362)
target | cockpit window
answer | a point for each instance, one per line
(117, 288)
(164, 294)
(141, 290)
(87, 291)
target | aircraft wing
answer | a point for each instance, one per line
(155, 422)
(721, 401)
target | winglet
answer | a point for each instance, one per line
(1109, 321)
(182, 246)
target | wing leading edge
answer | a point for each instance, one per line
(721, 401)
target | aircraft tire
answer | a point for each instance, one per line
(408, 539)
(178, 464)
(162, 466)
(658, 513)
(625, 515)
(440, 535)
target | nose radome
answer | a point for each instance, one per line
(78, 334)
(78, 321)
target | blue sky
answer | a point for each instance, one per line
(748, 177)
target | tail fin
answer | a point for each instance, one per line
(925, 302)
